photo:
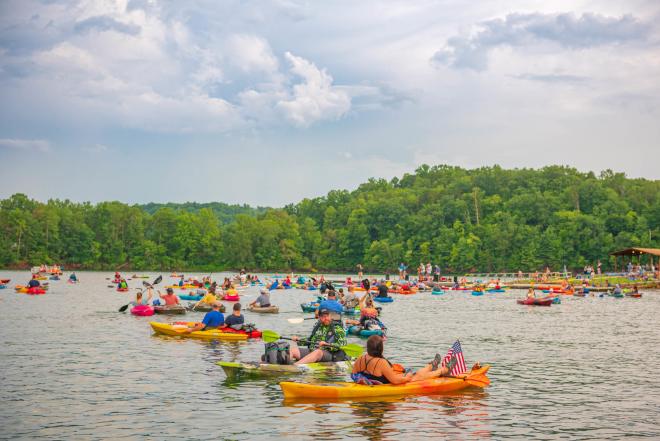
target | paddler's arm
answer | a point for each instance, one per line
(395, 377)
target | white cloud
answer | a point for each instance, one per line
(38, 145)
(566, 30)
(251, 53)
(96, 148)
(315, 98)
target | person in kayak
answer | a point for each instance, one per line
(33, 283)
(328, 335)
(140, 300)
(212, 320)
(350, 301)
(73, 278)
(530, 293)
(332, 305)
(122, 284)
(617, 289)
(373, 368)
(263, 300)
(170, 298)
(236, 319)
(382, 290)
(368, 316)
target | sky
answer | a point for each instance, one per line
(267, 103)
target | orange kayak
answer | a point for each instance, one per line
(476, 377)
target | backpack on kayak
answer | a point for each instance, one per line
(277, 353)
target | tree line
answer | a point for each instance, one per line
(485, 219)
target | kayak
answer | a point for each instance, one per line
(477, 377)
(264, 309)
(383, 299)
(143, 310)
(4, 281)
(556, 301)
(477, 293)
(309, 307)
(122, 289)
(618, 296)
(2, 286)
(535, 302)
(405, 292)
(231, 298)
(211, 334)
(140, 277)
(204, 307)
(170, 309)
(635, 296)
(54, 278)
(187, 297)
(437, 293)
(233, 369)
(496, 290)
(25, 290)
(359, 331)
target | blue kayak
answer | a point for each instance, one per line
(383, 299)
(477, 293)
(556, 300)
(437, 293)
(495, 290)
(357, 330)
(187, 297)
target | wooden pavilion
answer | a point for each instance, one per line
(639, 252)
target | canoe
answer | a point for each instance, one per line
(357, 330)
(212, 334)
(477, 293)
(437, 293)
(383, 299)
(535, 302)
(187, 297)
(341, 390)
(255, 369)
(170, 309)
(264, 309)
(143, 310)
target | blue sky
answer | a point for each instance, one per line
(266, 103)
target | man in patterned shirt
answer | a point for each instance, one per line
(323, 345)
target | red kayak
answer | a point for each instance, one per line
(122, 289)
(635, 295)
(535, 302)
(252, 334)
(36, 291)
(4, 281)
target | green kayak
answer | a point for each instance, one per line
(245, 369)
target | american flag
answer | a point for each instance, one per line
(455, 350)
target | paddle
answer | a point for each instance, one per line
(146, 284)
(352, 350)
(298, 320)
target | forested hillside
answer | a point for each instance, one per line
(484, 219)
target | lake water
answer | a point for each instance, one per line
(72, 367)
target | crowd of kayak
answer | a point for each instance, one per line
(338, 312)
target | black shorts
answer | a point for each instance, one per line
(327, 355)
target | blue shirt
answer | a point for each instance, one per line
(213, 319)
(331, 305)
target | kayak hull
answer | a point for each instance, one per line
(477, 293)
(186, 297)
(231, 298)
(536, 302)
(143, 310)
(171, 310)
(357, 330)
(437, 293)
(177, 331)
(258, 369)
(383, 299)
(265, 309)
(344, 390)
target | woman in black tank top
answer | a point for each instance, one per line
(375, 367)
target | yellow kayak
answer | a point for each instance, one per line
(477, 377)
(212, 334)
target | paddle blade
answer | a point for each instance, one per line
(124, 308)
(269, 336)
(158, 280)
(296, 321)
(353, 350)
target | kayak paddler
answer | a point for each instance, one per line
(263, 300)
(326, 332)
(34, 283)
(212, 320)
(373, 368)
(170, 298)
